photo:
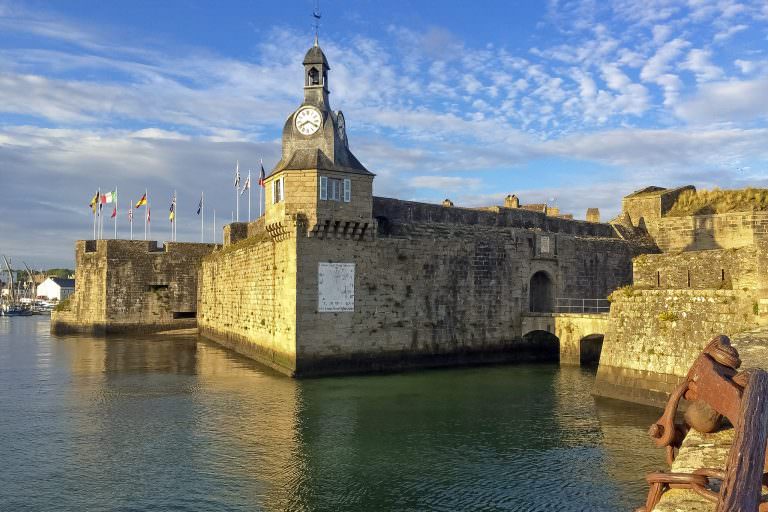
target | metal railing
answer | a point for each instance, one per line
(572, 305)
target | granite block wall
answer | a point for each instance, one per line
(654, 335)
(705, 232)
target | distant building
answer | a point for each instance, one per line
(56, 288)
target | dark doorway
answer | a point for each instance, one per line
(589, 349)
(540, 346)
(542, 295)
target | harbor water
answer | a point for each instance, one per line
(173, 422)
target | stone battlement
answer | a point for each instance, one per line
(395, 211)
(134, 285)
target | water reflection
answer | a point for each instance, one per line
(164, 422)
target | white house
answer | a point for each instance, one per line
(56, 288)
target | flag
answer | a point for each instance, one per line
(109, 197)
(147, 213)
(93, 202)
(114, 212)
(261, 176)
(142, 201)
(172, 213)
(237, 174)
(247, 183)
(200, 206)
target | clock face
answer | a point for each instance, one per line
(308, 120)
(342, 128)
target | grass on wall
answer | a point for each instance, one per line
(705, 202)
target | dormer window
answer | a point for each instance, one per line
(314, 76)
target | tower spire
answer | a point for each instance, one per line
(316, 15)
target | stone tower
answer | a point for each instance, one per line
(318, 177)
(593, 215)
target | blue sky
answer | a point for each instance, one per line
(576, 103)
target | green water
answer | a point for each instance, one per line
(177, 423)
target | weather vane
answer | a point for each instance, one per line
(316, 15)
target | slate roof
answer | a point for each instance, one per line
(315, 56)
(302, 159)
(64, 283)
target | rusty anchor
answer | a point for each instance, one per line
(715, 390)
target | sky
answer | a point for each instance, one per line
(575, 103)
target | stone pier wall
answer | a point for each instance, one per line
(653, 337)
(132, 285)
(247, 298)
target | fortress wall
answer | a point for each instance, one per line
(247, 299)
(648, 208)
(85, 310)
(704, 232)
(654, 336)
(397, 211)
(714, 269)
(132, 285)
(443, 295)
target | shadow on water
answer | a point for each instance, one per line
(173, 422)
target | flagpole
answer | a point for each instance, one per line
(149, 220)
(95, 209)
(145, 215)
(214, 225)
(175, 216)
(130, 220)
(202, 217)
(249, 195)
(115, 212)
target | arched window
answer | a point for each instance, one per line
(314, 76)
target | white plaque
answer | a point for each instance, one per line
(545, 245)
(335, 287)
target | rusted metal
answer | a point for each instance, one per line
(715, 390)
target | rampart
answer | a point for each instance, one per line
(718, 231)
(433, 286)
(124, 285)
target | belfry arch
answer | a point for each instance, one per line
(541, 293)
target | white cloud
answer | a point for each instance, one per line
(444, 183)
(727, 102)
(729, 32)
(661, 61)
(699, 63)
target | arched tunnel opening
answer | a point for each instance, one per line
(589, 349)
(541, 346)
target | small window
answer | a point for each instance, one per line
(347, 190)
(314, 77)
(334, 189)
(323, 188)
(277, 190)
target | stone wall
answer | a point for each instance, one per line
(434, 294)
(247, 298)
(715, 269)
(646, 208)
(654, 336)
(123, 285)
(704, 232)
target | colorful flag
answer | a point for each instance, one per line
(261, 176)
(237, 174)
(147, 213)
(200, 206)
(109, 197)
(93, 202)
(247, 184)
(114, 212)
(142, 201)
(172, 213)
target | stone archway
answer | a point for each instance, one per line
(542, 293)
(540, 346)
(589, 349)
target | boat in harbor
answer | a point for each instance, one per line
(15, 310)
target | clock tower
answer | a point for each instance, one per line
(318, 177)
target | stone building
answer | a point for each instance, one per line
(333, 279)
(707, 275)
